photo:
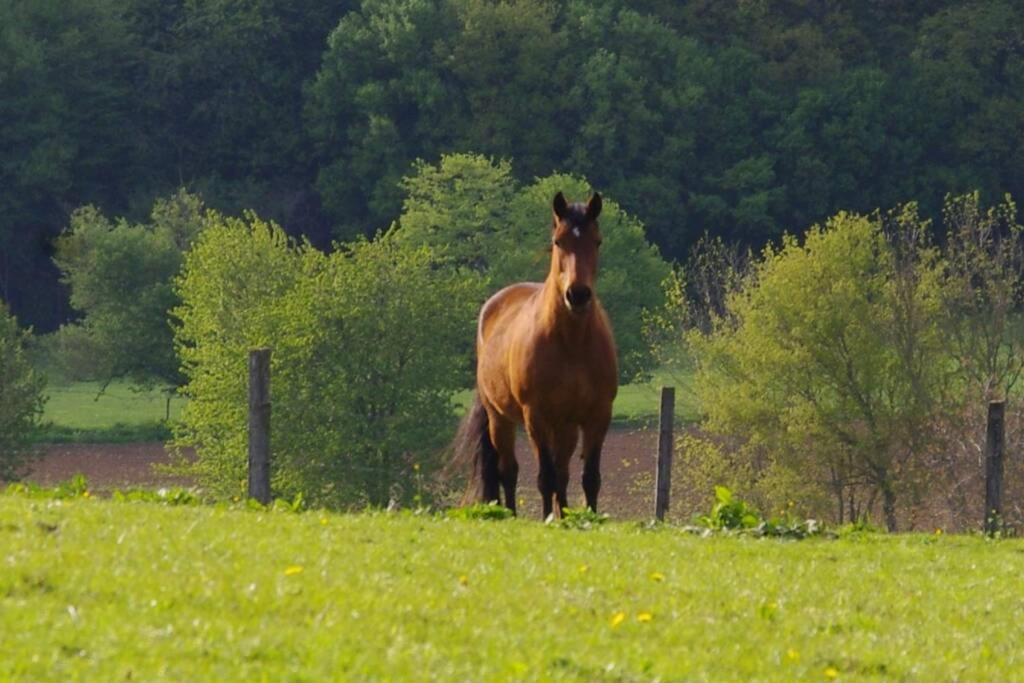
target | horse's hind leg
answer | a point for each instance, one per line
(488, 469)
(503, 436)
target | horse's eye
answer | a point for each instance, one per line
(558, 243)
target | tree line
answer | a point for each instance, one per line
(739, 119)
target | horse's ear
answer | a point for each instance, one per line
(559, 205)
(594, 207)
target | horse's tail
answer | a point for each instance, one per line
(472, 450)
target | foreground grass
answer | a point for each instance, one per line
(100, 590)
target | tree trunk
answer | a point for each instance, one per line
(889, 506)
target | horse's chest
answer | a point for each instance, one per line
(565, 386)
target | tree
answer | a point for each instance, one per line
(831, 361)
(68, 136)
(462, 209)
(983, 295)
(367, 353)
(471, 212)
(21, 395)
(121, 280)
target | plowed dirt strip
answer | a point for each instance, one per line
(627, 471)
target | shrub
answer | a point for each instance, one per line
(367, 353)
(120, 277)
(21, 396)
(830, 362)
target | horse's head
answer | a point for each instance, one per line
(575, 238)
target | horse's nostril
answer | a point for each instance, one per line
(578, 296)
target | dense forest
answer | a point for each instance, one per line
(740, 118)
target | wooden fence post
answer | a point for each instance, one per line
(663, 477)
(259, 425)
(995, 447)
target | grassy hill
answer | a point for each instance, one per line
(103, 590)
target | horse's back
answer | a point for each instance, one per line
(498, 311)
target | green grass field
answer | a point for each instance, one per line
(79, 405)
(102, 590)
(78, 412)
(639, 403)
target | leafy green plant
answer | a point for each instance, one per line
(788, 528)
(296, 504)
(730, 512)
(166, 496)
(490, 511)
(75, 487)
(578, 518)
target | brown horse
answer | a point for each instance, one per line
(546, 360)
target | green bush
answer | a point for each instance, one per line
(21, 395)
(830, 363)
(120, 276)
(367, 352)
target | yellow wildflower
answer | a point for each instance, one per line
(644, 617)
(618, 618)
(293, 570)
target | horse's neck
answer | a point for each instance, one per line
(555, 319)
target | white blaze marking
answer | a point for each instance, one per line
(576, 231)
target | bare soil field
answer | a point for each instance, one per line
(626, 493)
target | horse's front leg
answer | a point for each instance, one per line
(543, 446)
(594, 432)
(565, 445)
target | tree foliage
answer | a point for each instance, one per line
(120, 277)
(738, 119)
(854, 367)
(476, 217)
(21, 395)
(367, 351)
(833, 359)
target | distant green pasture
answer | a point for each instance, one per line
(79, 412)
(639, 402)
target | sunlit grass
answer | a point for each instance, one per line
(78, 411)
(98, 590)
(81, 405)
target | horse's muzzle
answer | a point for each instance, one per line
(578, 297)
